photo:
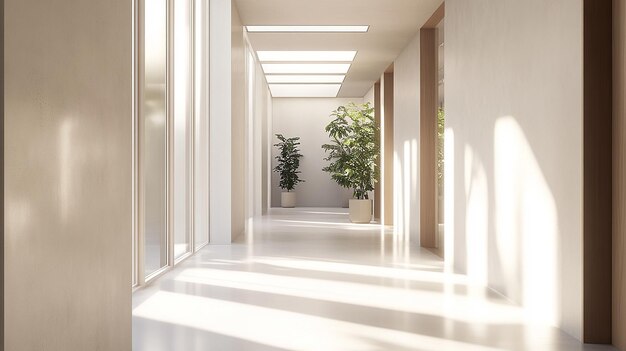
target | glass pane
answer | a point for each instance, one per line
(201, 147)
(182, 125)
(154, 145)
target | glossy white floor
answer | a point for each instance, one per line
(307, 279)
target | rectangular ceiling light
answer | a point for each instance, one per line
(305, 79)
(304, 90)
(306, 68)
(307, 29)
(306, 56)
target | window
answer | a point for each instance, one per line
(171, 138)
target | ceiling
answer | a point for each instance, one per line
(393, 23)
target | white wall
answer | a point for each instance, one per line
(182, 126)
(201, 191)
(514, 151)
(238, 125)
(258, 101)
(220, 121)
(68, 175)
(406, 141)
(230, 192)
(266, 155)
(307, 118)
(260, 147)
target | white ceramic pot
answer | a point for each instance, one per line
(360, 211)
(288, 199)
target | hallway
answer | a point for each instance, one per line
(307, 279)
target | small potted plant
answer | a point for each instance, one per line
(287, 168)
(352, 152)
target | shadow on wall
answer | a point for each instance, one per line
(507, 230)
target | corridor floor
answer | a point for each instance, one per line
(307, 279)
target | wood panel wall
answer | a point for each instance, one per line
(597, 172)
(428, 129)
(377, 188)
(428, 137)
(619, 174)
(2, 175)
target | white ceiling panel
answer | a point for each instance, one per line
(392, 25)
(309, 78)
(306, 56)
(307, 29)
(304, 90)
(305, 68)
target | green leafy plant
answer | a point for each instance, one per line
(288, 162)
(441, 124)
(353, 149)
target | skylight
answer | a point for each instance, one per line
(306, 68)
(304, 90)
(305, 78)
(307, 29)
(306, 56)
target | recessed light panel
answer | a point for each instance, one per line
(304, 90)
(306, 68)
(305, 78)
(308, 29)
(306, 56)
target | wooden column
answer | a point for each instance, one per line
(388, 159)
(597, 156)
(377, 188)
(619, 174)
(2, 176)
(428, 137)
(428, 129)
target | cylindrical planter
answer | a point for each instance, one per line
(288, 199)
(360, 211)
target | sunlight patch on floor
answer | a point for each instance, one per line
(283, 329)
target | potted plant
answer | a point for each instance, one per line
(352, 152)
(287, 168)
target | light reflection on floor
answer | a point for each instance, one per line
(309, 280)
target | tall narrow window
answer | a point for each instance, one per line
(183, 126)
(153, 134)
(172, 158)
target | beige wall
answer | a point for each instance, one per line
(68, 116)
(369, 96)
(307, 118)
(619, 176)
(238, 125)
(406, 141)
(514, 152)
